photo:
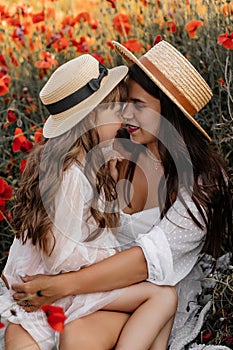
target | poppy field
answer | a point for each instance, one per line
(38, 36)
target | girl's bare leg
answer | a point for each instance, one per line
(97, 331)
(16, 338)
(161, 340)
(153, 307)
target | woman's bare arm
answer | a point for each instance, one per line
(121, 270)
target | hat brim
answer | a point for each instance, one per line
(131, 59)
(56, 126)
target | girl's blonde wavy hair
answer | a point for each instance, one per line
(34, 208)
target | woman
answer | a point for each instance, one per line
(190, 188)
(64, 212)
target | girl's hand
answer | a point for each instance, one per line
(37, 290)
(113, 168)
(113, 158)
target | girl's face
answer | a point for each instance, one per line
(108, 120)
(141, 115)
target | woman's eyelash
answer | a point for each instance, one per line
(139, 106)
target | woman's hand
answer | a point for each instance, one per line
(37, 290)
(113, 158)
(117, 271)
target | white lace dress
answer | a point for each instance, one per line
(70, 253)
(171, 247)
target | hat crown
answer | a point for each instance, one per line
(69, 77)
(180, 72)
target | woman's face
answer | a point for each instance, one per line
(141, 115)
(108, 120)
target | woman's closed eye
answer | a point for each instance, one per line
(139, 106)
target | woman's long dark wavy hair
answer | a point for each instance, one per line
(190, 161)
(34, 208)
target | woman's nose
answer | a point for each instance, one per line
(128, 112)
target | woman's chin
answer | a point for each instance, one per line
(134, 139)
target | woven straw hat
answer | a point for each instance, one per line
(175, 76)
(74, 90)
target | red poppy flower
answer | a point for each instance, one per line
(2, 325)
(13, 59)
(82, 16)
(221, 81)
(112, 2)
(121, 24)
(192, 26)
(38, 17)
(20, 32)
(11, 116)
(55, 317)
(60, 44)
(157, 39)
(1, 216)
(51, 12)
(226, 40)
(2, 203)
(133, 45)
(227, 8)
(171, 26)
(81, 45)
(93, 23)
(14, 20)
(4, 84)
(206, 336)
(20, 142)
(38, 135)
(4, 12)
(5, 192)
(22, 165)
(52, 38)
(3, 63)
(109, 43)
(68, 21)
(99, 58)
(47, 61)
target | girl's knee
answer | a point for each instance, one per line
(17, 337)
(171, 296)
(12, 331)
(76, 335)
(165, 294)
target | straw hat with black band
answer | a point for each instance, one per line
(74, 90)
(174, 75)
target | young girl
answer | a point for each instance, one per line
(65, 210)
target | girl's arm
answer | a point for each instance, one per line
(120, 270)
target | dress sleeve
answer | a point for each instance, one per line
(70, 227)
(172, 247)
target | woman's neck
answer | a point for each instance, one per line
(153, 148)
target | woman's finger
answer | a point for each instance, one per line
(30, 308)
(19, 296)
(18, 287)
